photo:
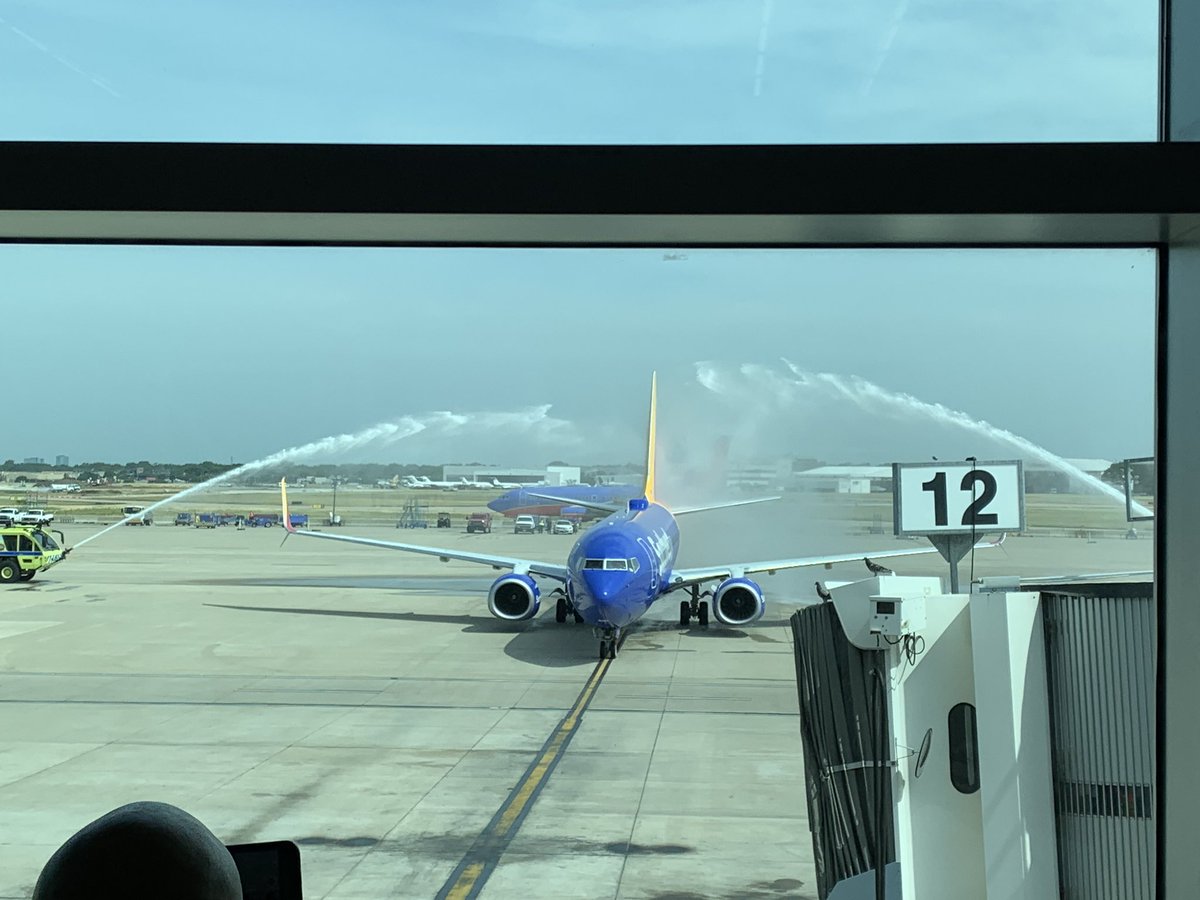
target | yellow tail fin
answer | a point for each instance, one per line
(651, 438)
(287, 518)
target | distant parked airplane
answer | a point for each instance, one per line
(620, 567)
(420, 482)
(475, 485)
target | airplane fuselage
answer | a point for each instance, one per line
(621, 565)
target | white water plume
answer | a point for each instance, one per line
(771, 388)
(535, 422)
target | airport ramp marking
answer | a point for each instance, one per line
(12, 629)
(473, 871)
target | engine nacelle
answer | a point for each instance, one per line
(514, 597)
(738, 601)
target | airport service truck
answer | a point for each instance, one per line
(481, 522)
(133, 515)
(34, 517)
(26, 550)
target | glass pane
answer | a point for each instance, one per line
(551, 71)
(360, 700)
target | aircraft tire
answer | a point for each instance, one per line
(604, 650)
(612, 650)
(9, 571)
(560, 610)
(685, 613)
(703, 614)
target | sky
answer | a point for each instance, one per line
(175, 354)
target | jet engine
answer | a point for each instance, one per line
(514, 597)
(738, 601)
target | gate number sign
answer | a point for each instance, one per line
(958, 498)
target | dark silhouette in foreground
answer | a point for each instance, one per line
(141, 850)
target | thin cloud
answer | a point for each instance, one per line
(62, 60)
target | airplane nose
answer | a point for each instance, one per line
(604, 586)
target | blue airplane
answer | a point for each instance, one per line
(621, 566)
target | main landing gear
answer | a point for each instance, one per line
(609, 639)
(564, 608)
(694, 609)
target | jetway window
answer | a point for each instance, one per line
(963, 741)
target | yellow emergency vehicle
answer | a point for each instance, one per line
(26, 550)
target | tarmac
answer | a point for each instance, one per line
(364, 704)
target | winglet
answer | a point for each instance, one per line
(287, 516)
(650, 438)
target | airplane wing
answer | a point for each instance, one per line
(517, 564)
(686, 577)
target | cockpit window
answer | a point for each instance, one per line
(621, 565)
(633, 564)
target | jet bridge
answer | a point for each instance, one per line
(985, 745)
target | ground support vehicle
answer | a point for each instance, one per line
(34, 517)
(207, 520)
(524, 525)
(184, 519)
(8, 515)
(479, 522)
(26, 550)
(443, 520)
(258, 520)
(564, 526)
(299, 520)
(134, 516)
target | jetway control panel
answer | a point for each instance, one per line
(894, 617)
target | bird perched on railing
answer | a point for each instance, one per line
(877, 569)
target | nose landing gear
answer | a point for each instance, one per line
(609, 639)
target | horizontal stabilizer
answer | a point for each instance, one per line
(684, 510)
(575, 501)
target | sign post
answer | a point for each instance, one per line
(951, 504)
